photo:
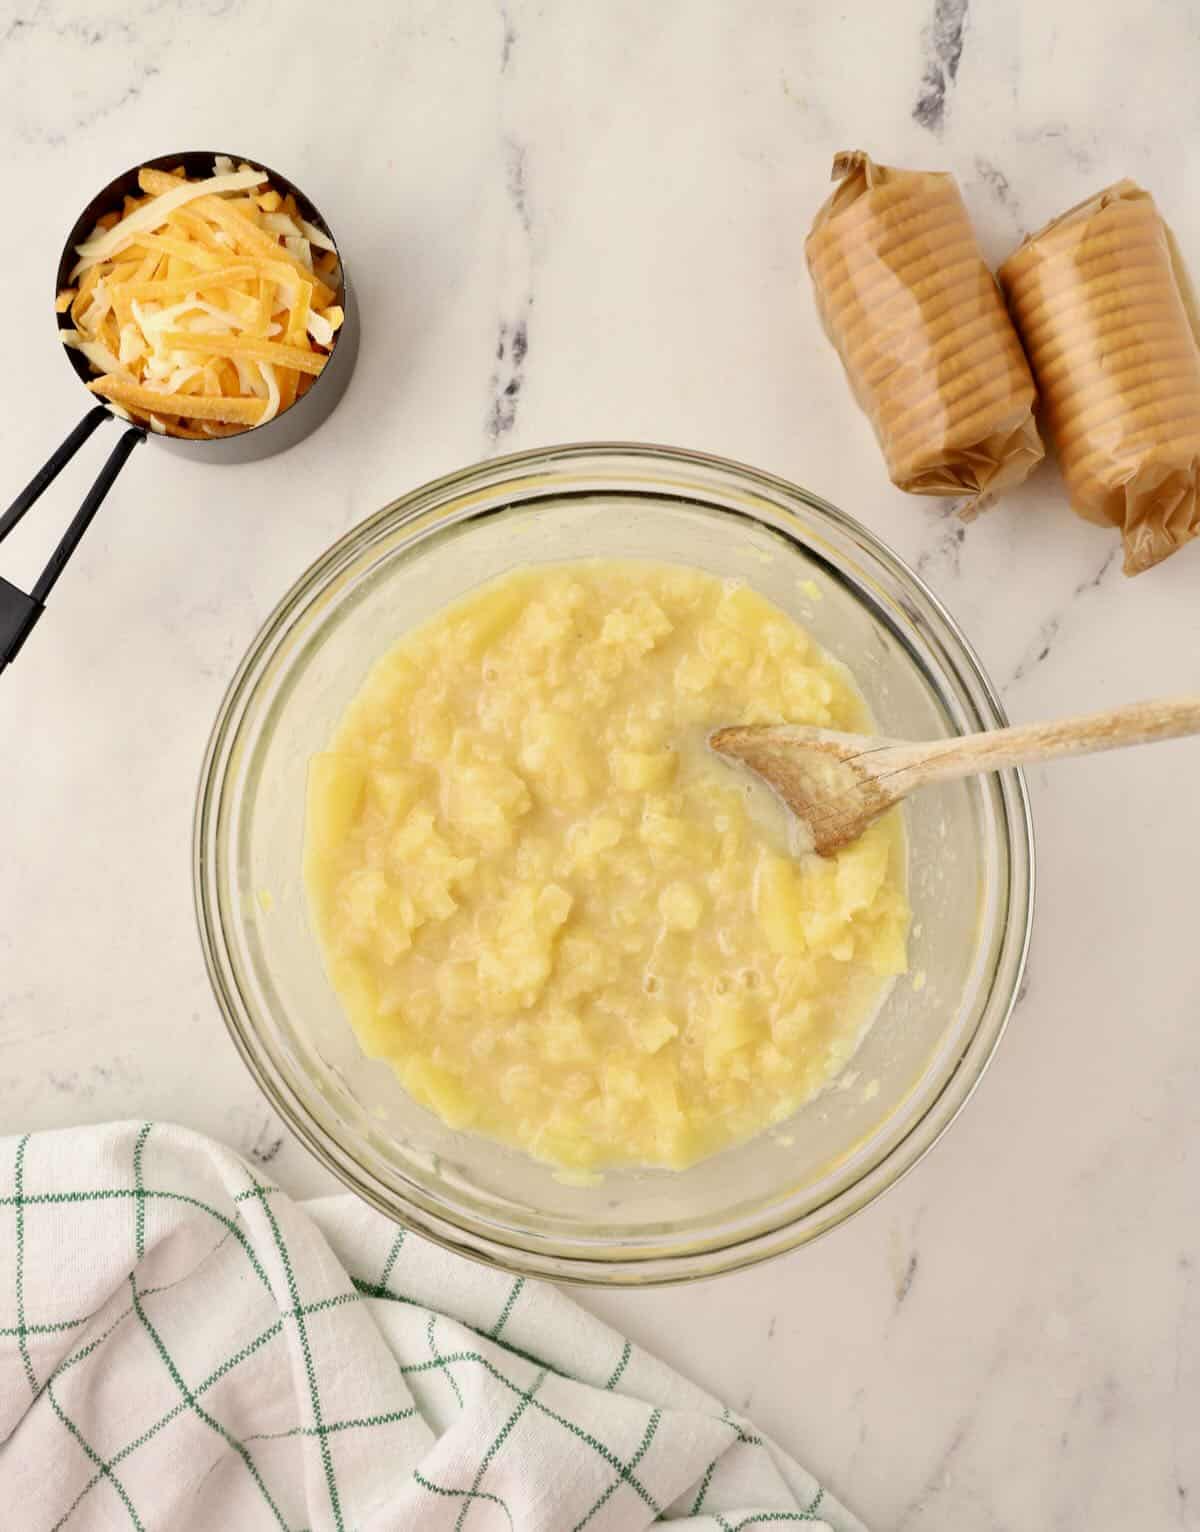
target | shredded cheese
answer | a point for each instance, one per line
(150, 215)
(101, 358)
(181, 375)
(317, 236)
(281, 223)
(133, 344)
(202, 312)
(300, 248)
(320, 329)
(272, 382)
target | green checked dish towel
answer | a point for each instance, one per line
(183, 1347)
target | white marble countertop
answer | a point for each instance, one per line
(1012, 1337)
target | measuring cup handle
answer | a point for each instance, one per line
(46, 475)
(20, 611)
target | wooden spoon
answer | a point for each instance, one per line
(839, 783)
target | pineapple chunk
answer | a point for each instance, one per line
(779, 907)
(394, 792)
(359, 995)
(396, 918)
(639, 771)
(567, 1142)
(585, 966)
(653, 1032)
(485, 802)
(636, 627)
(554, 751)
(439, 1090)
(457, 987)
(887, 954)
(883, 940)
(745, 609)
(490, 617)
(695, 673)
(725, 646)
(592, 837)
(565, 1039)
(622, 1082)
(861, 869)
(516, 963)
(669, 832)
(681, 906)
(793, 1024)
(731, 1026)
(336, 784)
(362, 892)
(552, 908)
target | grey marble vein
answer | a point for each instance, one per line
(1070, 139)
(512, 332)
(944, 554)
(508, 375)
(943, 52)
(994, 179)
(508, 37)
(512, 340)
(1040, 648)
(907, 1280)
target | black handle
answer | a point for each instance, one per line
(18, 611)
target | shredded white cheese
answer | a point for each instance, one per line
(181, 375)
(280, 223)
(154, 321)
(133, 343)
(300, 248)
(228, 320)
(250, 380)
(316, 236)
(267, 370)
(98, 354)
(151, 215)
(98, 309)
(320, 329)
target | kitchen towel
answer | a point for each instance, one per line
(184, 1347)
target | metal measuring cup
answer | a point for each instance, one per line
(20, 610)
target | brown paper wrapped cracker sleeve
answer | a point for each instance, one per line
(922, 331)
(1108, 318)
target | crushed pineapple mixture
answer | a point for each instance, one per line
(562, 920)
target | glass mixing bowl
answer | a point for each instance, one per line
(970, 847)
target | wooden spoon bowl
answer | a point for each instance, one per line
(839, 783)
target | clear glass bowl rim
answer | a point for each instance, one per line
(444, 1225)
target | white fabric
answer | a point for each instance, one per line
(183, 1347)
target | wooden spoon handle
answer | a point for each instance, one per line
(1140, 723)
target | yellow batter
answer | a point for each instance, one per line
(559, 917)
